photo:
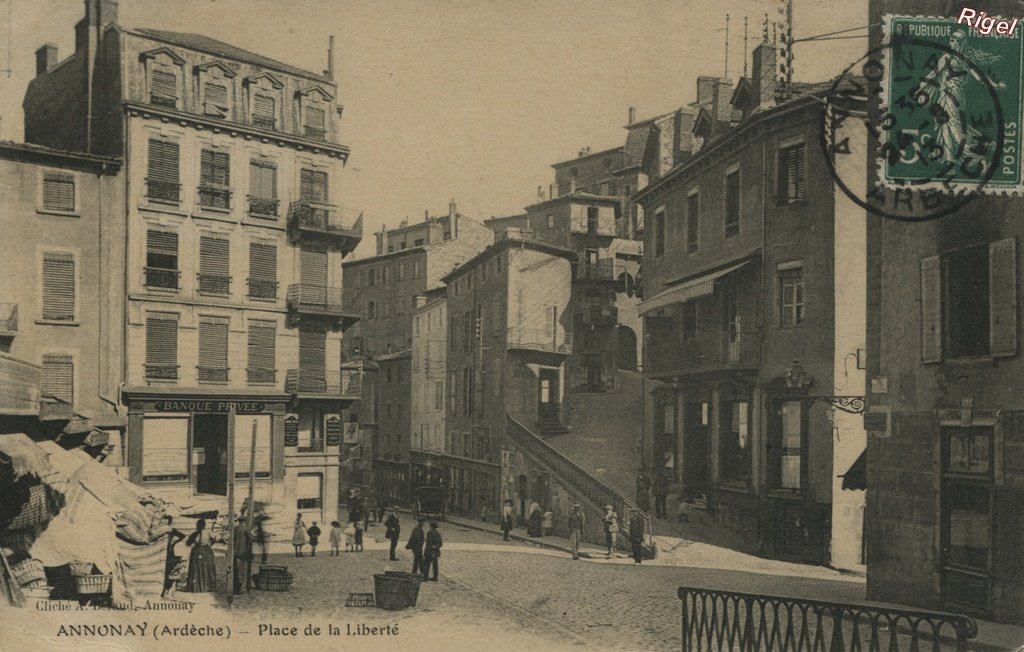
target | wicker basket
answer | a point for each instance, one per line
(414, 579)
(93, 584)
(274, 581)
(28, 571)
(81, 567)
(17, 540)
(36, 592)
(394, 592)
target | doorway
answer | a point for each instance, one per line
(695, 449)
(210, 453)
(548, 400)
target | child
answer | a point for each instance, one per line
(335, 538)
(685, 505)
(314, 538)
(350, 534)
(359, 536)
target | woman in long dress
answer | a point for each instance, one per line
(299, 535)
(202, 572)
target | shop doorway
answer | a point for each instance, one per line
(210, 453)
(695, 449)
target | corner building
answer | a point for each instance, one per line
(235, 237)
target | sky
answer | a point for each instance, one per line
(470, 100)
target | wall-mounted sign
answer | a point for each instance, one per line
(352, 433)
(291, 430)
(241, 407)
(334, 430)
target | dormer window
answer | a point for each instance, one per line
(163, 88)
(263, 94)
(313, 126)
(264, 111)
(216, 85)
(313, 106)
(216, 103)
(164, 78)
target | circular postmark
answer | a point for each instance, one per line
(914, 129)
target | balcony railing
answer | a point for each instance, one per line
(263, 206)
(216, 197)
(263, 121)
(261, 376)
(8, 318)
(313, 132)
(166, 279)
(259, 289)
(598, 316)
(540, 339)
(161, 371)
(214, 284)
(316, 299)
(327, 383)
(304, 215)
(212, 374)
(704, 353)
(168, 192)
(602, 270)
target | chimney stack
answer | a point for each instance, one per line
(763, 73)
(46, 58)
(705, 88)
(330, 57)
(584, 151)
(426, 214)
(540, 193)
(632, 114)
(553, 191)
(451, 209)
(453, 219)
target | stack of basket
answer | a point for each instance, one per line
(30, 575)
(88, 583)
(274, 578)
(394, 590)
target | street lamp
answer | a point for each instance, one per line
(795, 376)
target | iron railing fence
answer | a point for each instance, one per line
(343, 382)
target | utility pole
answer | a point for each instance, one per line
(231, 505)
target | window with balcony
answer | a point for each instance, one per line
(313, 185)
(215, 179)
(692, 222)
(161, 346)
(162, 181)
(58, 287)
(162, 260)
(732, 203)
(163, 87)
(59, 192)
(262, 269)
(213, 350)
(57, 377)
(791, 297)
(792, 174)
(264, 111)
(261, 349)
(786, 445)
(314, 123)
(214, 265)
(735, 441)
(263, 200)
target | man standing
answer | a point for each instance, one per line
(577, 520)
(415, 544)
(643, 486)
(636, 535)
(506, 519)
(242, 542)
(432, 552)
(394, 528)
(660, 495)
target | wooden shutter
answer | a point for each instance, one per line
(262, 336)
(58, 191)
(58, 377)
(313, 185)
(931, 309)
(799, 171)
(263, 180)
(313, 266)
(214, 255)
(161, 339)
(263, 261)
(59, 286)
(164, 84)
(213, 342)
(312, 350)
(163, 161)
(314, 117)
(1002, 303)
(216, 95)
(263, 106)
(214, 168)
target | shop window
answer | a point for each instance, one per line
(165, 448)
(309, 491)
(785, 445)
(735, 442)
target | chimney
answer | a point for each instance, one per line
(553, 190)
(763, 73)
(46, 58)
(330, 57)
(540, 193)
(705, 88)
(453, 219)
(426, 215)
(98, 14)
(584, 151)
(451, 209)
(632, 114)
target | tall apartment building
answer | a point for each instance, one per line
(234, 241)
(428, 359)
(61, 303)
(754, 310)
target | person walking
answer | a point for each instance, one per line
(394, 529)
(577, 521)
(415, 544)
(202, 573)
(241, 541)
(611, 528)
(506, 519)
(660, 491)
(298, 535)
(335, 538)
(643, 488)
(432, 552)
(359, 535)
(534, 520)
(314, 538)
(636, 535)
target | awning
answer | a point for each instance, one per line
(857, 477)
(696, 288)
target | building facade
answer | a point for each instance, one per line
(429, 362)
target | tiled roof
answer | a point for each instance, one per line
(222, 49)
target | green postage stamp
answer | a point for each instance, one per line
(951, 107)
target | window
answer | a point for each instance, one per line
(309, 490)
(161, 346)
(453, 393)
(453, 337)
(162, 259)
(592, 219)
(216, 99)
(415, 269)
(162, 183)
(735, 442)
(968, 504)
(467, 391)
(213, 350)
(59, 192)
(371, 277)
(732, 203)
(385, 274)
(371, 309)
(791, 174)
(386, 312)
(264, 111)
(263, 188)
(58, 286)
(165, 448)
(551, 221)
(659, 232)
(163, 88)
(438, 395)
(262, 337)
(732, 321)
(313, 185)
(785, 447)
(262, 269)
(550, 321)
(214, 179)
(57, 378)
(401, 271)
(214, 265)
(418, 242)
(314, 126)
(692, 222)
(791, 297)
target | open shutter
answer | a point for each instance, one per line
(214, 169)
(312, 350)
(799, 172)
(162, 340)
(59, 287)
(261, 344)
(931, 309)
(313, 185)
(1002, 304)
(58, 375)
(163, 84)
(213, 342)
(216, 95)
(58, 191)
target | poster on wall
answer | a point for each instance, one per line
(333, 427)
(291, 430)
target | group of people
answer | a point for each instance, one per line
(660, 487)
(201, 573)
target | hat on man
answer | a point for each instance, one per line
(608, 507)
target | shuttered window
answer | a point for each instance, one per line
(216, 96)
(313, 185)
(313, 266)
(161, 346)
(58, 377)
(262, 335)
(58, 191)
(931, 309)
(314, 121)
(263, 179)
(214, 178)
(162, 172)
(213, 349)
(263, 111)
(312, 354)
(791, 174)
(214, 264)
(59, 286)
(263, 269)
(163, 88)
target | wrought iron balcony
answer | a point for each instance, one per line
(705, 353)
(212, 374)
(602, 270)
(214, 284)
(259, 289)
(261, 376)
(161, 371)
(597, 316)
(342, 226)
(8, 319)
(165, 279)
(319, 300)
(340, 384)
(263, 206)
(216, 197)
(168, 192)
(540, 339)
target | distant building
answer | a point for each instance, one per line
(429, 360)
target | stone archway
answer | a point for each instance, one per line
(625, 353)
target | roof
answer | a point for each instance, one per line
(580, 196)
(502, 245)
(222, 49)
(604, 152)
(434, 218)
(31, 153)
(386, 256)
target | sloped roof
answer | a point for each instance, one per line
(222, 49)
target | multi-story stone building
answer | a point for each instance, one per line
(61, 306)
(234, 240)
(754, 310)
(428, 361)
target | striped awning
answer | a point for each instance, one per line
(696, 288)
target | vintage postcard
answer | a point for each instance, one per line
(462, 325)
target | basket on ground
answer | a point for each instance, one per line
(394, 590)
(36, 592)
(274, 578)
(28, 572)
(93, 584)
